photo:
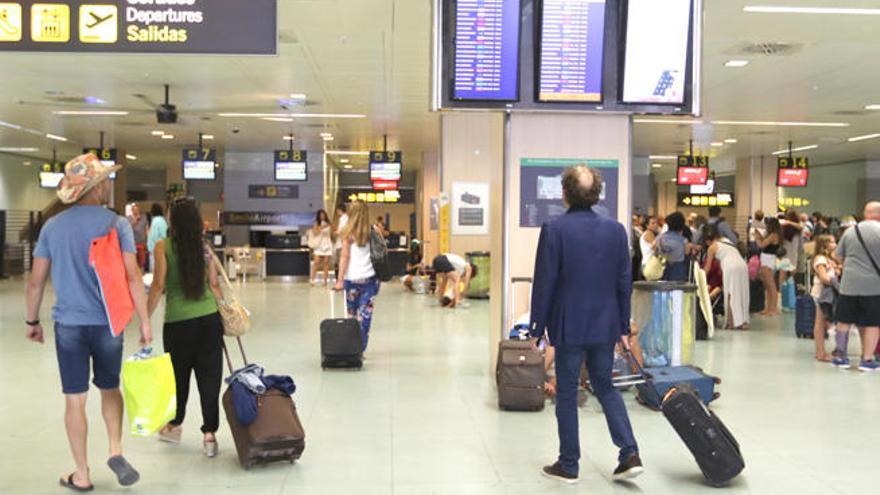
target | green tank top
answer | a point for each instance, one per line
(177, 306)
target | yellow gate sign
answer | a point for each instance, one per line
(50, 23)
(10, 22)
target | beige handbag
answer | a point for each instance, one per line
(236, 318)
(654, 268)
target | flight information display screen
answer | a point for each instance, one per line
(198, 170)
(486, 50)
(655, 63)
(571, 50)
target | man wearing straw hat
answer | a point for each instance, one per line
(83, 338)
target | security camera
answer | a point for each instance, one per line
(236, 130)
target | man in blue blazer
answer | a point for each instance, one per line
(581, 298)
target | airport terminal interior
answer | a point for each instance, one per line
(736, 141)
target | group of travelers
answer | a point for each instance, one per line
(183, 272)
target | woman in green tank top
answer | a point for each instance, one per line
(193, 331)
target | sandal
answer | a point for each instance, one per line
(68, 483)
(170, 434)
(126, 475)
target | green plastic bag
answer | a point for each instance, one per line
(150, 392)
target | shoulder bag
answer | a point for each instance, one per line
(868, 251)
(105, 259)
(236, 318)
(654, 268)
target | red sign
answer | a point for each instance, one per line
(385, 185)
(693, 176)
(793, 177)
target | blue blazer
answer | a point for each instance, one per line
(583, 280)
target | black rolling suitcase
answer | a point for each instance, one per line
(341, 345)
(713, 446)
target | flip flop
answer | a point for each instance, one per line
(125, 473)
(68, 483)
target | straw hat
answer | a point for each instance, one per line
(81, 175)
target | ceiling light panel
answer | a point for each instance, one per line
(779, 124)
(18, 150)
(663, 157)
(90, 113)
(793, 150)
(863, 138)
(295, 115)
(56, 137)
(731, 141)
(736, 63)
(207, 137)
(168, 136)
(157, 133)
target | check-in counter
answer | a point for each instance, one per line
(287, 262)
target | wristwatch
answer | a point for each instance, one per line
(32, 323)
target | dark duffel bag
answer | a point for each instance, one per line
(756, 296)
(520, 376)
(276, 435)
(713, 446)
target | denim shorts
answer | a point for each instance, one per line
(79, 346)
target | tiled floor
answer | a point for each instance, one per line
(421, 417)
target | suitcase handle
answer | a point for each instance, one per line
(512, 300)
(229, 360)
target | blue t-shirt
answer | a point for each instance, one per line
(158, 231)
(65, 241)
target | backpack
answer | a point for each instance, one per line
(379, 256)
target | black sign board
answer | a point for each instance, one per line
(104, 154)
(386, 157)
(267, 191)
(693, 161)
(793, 162)
(233, 27)
(404, 196)
(57, 167)
(722, 199)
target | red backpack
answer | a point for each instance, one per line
(105, 258)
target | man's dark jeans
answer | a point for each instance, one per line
(600, 359)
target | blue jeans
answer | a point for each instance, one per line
(359, 297)
(600, 359)
(79, 346)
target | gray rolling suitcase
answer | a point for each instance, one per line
(519, 370)
(341, 345)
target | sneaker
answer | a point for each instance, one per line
(210, 449)
(170, 434)
(869, 365)
(555, 472)
(839, 362)
(630, 468)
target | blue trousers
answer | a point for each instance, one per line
(600, 359)
(359, 298)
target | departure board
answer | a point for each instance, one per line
(486, 50)
(572, 44)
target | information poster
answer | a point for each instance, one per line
(470, 208)
(541, 188)
(572, 41)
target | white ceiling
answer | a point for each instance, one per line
(372, 57)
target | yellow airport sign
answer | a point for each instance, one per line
(98, 23)
(10, 22)
(50, 23)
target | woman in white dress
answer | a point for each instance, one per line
(648, 238)
(736, 277)
(322, 246)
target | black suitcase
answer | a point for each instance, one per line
(341, 345)
(713, 446)
(756, 296)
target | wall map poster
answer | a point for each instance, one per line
(470, 208)
(540, 189)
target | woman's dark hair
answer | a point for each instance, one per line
(186, 236)
(675, 221)
(790, 231)
(773, 226)
(576, 195)
(322, 216)
(340, 207)
(647, 221)
(711, 232)
(156, 210)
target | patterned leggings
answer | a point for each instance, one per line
(359, 298)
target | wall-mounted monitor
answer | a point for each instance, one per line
(291, 165)
(386, 165)
(50, 180)
(792, 177)
(708, 188)
(571, 46)
(656, 53)
(690, 176)
(485, 50)
(199, 164)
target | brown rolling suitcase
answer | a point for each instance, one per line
(519, 370)
(276, 435)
